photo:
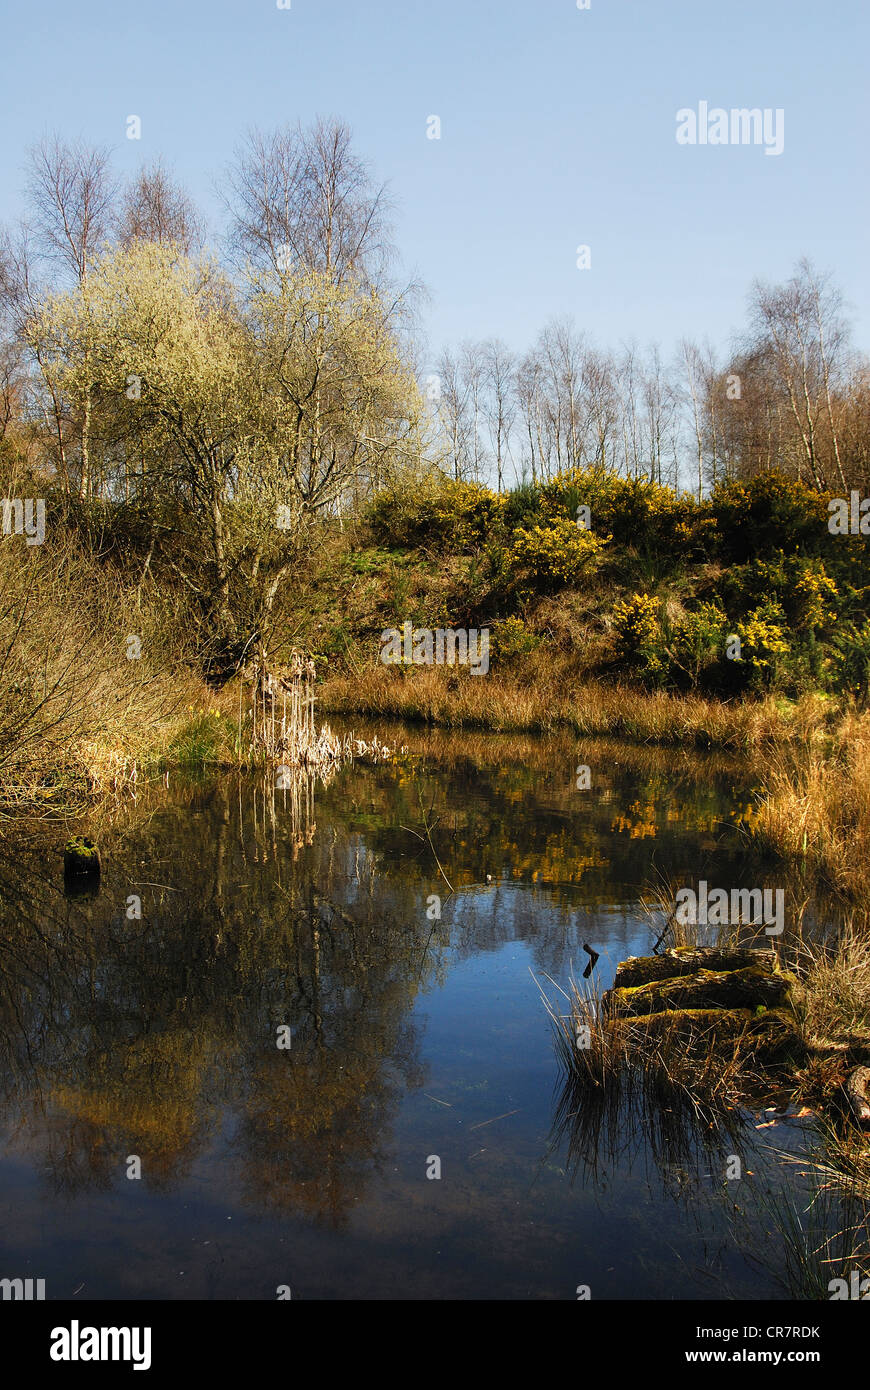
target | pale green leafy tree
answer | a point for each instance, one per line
(241, 411)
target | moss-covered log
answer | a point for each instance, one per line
(686, 960)
(705, 989)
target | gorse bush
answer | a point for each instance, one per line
(763, 642)
(631, 511)
(440, 515)
(757, 516)
(554, 555)
(512, 639)
(816, 595)
(808, 595)
(635, 624)
(851, 661)
(638, 638)
(700, 648)
(677, 580)
(700, 643)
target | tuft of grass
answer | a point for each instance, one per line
(804, 1245)
(815, 806)
(833, 1000)
(201, 741)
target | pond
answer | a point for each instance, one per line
(409, 1138)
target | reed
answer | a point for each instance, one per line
(833, 998)
(282, 727)
(620, 1097)
(814, 806)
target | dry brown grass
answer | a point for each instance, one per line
(551, 699)
(816, 804)
(833, 1001)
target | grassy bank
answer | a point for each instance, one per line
(548, 695)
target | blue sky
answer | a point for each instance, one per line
(558, 128)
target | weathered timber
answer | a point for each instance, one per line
(685, 960)
(705, 989)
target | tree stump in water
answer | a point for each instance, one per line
(707, 998)
(81, 859)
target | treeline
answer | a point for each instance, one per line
(195, 411)
(791, 395)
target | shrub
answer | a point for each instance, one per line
(699, 645)
(635, 512)
(522, 505)
(768, 513)
(800, 584)
(638, 637)
(465, 514)
(444, 515)
(512, 638)
(763, 642)
(635, 623)
(851, 660)
(815, 594)
(554, 554)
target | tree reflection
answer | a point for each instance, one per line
(135, 1037)
(303, 907)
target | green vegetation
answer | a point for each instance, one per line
(235, 461)
(660, 591)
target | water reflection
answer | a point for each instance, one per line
(306, 907)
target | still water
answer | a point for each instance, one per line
(415, 1042)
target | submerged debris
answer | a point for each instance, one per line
(81, 858)
(81, 867)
